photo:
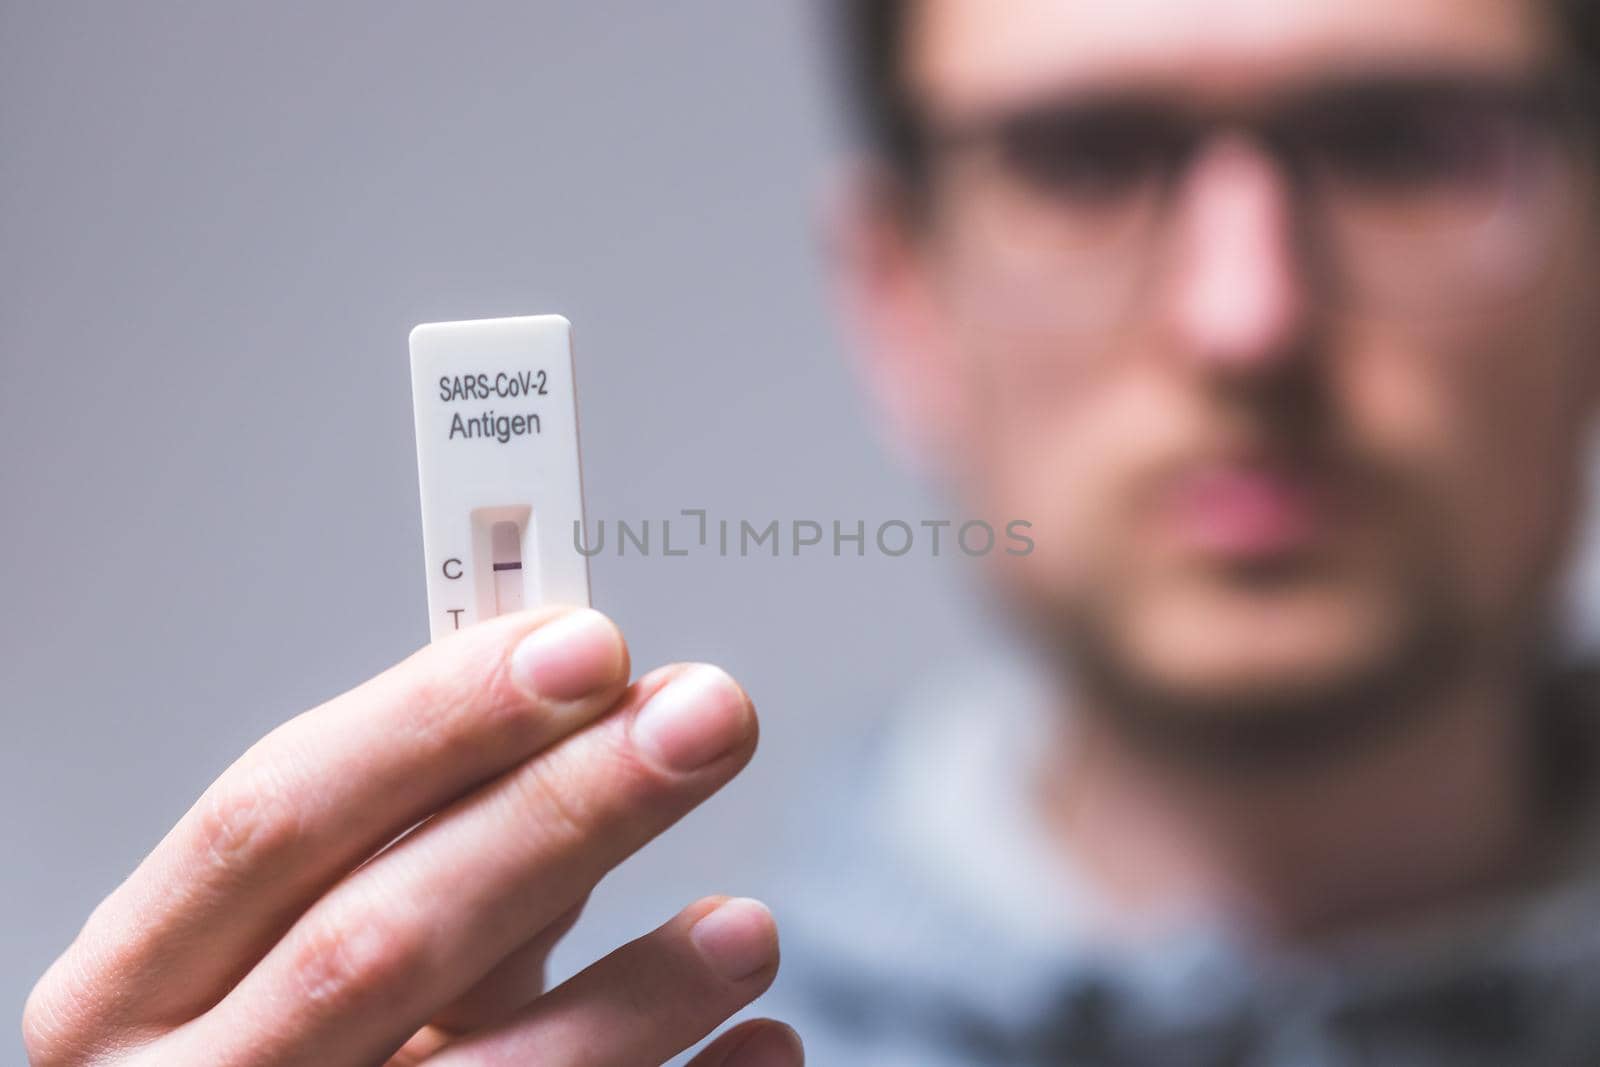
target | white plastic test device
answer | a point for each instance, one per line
(498, 466)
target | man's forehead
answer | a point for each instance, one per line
(973, 54)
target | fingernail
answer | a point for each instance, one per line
(698, 716)
(569, 657)
(736, 940)
(772, 1045)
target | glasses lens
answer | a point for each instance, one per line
(1436, 197)
(1054, 211)
(1094, 170)
(1093, 158)
(1425, 161)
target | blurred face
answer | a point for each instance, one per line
(1272, 316)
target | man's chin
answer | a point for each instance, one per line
(1216, 678)
(1232, 655)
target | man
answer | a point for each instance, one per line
(1272, 319)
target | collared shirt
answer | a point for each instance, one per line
(930, 922)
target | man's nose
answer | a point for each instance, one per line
(1238, 301)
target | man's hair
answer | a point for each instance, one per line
(873, 34)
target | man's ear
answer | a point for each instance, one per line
(884, 281)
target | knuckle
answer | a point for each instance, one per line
(433, 711)
(551, 792)
(348, 961)
(455, 723)
(466, 704)
(578, 793)
(243, 825)
(503, 711)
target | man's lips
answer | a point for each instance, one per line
(1244, 510)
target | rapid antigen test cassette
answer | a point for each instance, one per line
(497, 459)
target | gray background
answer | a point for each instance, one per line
(218, 221)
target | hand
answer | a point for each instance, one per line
(280, 922)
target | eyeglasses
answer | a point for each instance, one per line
(1409, 194)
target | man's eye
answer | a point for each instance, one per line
(1089, 162)
(1417, 149)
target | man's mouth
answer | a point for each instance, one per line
(1248, 512)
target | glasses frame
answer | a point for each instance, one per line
(1562, 109)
